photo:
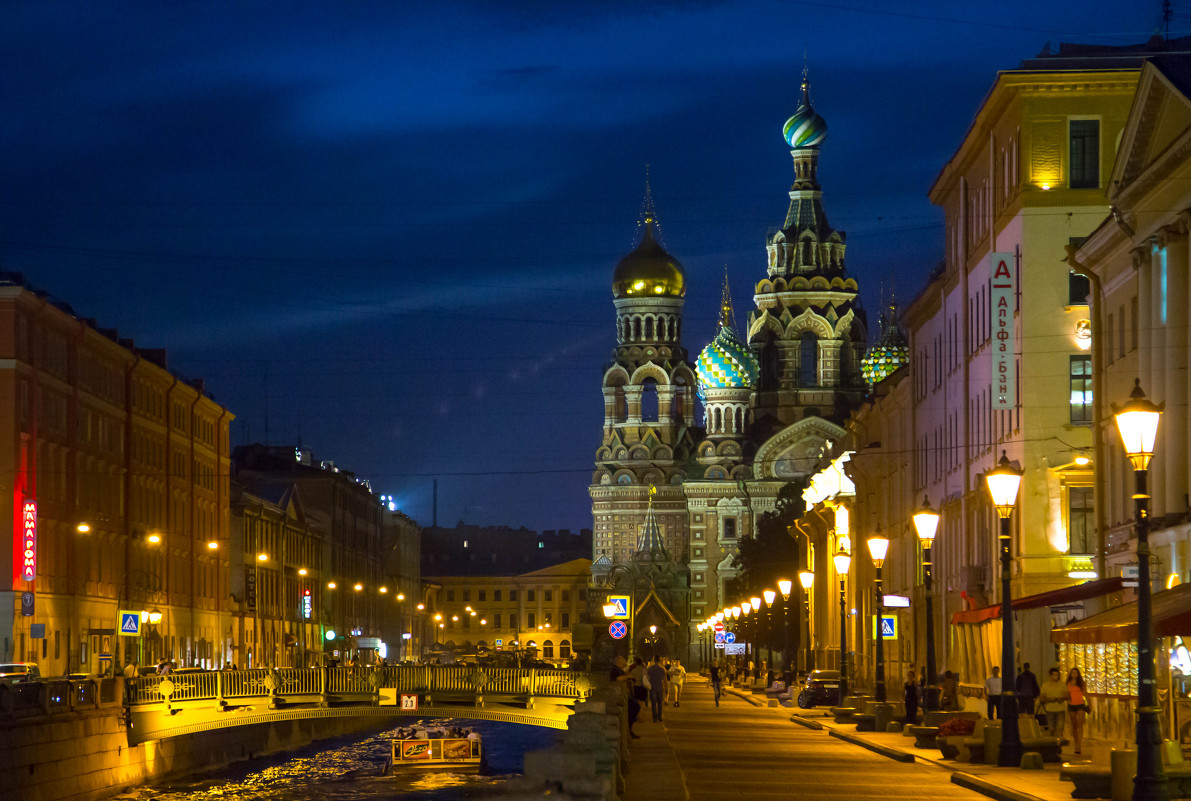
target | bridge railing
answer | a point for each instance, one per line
(228, 685)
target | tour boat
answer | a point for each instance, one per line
(424, 748)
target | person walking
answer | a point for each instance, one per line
(950, 692)
(715, 681)
(130, 670)
(1053, 698)
(619, 674)
(1077, 706)
(911, 699)
(1026, 687)
(677, 677)
(657, 688)
(992, 691)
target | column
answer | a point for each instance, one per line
(1174, 437)
(1159, 311)
(632, 397)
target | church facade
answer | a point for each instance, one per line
(774, 394)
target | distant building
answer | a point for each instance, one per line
(528, 589)
(117, 493)
(402, 626)
(355, 596)
(277, 552)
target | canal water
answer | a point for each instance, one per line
(347, 770)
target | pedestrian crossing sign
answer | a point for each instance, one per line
(888, 627)
(620, 606)
(130, 623)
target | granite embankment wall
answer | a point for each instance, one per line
(85, 756)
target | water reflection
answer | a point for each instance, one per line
(348, 769)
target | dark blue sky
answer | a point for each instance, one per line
(391, 232)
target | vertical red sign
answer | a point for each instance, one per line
(28, 534)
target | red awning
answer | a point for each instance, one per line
(1171, 613)
(1065, 595)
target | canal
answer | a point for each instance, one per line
(347, 770)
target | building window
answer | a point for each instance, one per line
(533, 620)
(1078, 289)
(549, 595)
(512, 595)
(566, 620)
(467, 595)
(450, 595)
(496, 622)
(514, 621)
(483, 595)
(729, 528)
(496, 595)
(549, 619)
(566, 596)
(1081, 390)
(1085, 154)
(531, 595)
(1079, 520)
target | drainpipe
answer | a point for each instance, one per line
(1099, 490)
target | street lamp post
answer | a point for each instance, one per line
(1003, 484)
(807, 579)
(756, 636)
(769, 596)
(843, 560)
(736, 626)
(1138, 425)
(926, 523)
(784, 586)
(877, 548)
(746, 609)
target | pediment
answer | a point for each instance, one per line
(796, 450)
(1157, 133)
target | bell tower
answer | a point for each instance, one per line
(649, 403)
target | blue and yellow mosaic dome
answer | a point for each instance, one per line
(806, 128)
(890, 352)
(726, 363)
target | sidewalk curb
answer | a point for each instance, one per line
(741, 695)
(810, 724)
(892, 753)
(989, 789)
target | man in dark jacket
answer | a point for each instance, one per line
(657, 687)
(1027, 690)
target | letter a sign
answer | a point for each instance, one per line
(1003, 297)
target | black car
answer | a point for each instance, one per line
(821, 689)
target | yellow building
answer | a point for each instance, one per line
(535, 611)
(122, 466)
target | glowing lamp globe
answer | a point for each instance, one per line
(1003, 483)
(877, 548)
(1138, 421)
(769, 596)
(926, 523)
(843, 560)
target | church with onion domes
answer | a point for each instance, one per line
(774, 394)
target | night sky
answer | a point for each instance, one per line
(390, 233)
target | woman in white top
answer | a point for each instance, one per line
(677, 678)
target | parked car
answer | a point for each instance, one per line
(820, 689)
(19, 671)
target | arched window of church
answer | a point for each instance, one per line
(718, 425)
(770, 366)
(649, 401)
(620, 406)
(648, 329)
(808, 256)
(809, 376)
(678, 405)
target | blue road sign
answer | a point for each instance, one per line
(620, 605)
(618, 630)
(730, 637)
(719, 636)
(130, 623)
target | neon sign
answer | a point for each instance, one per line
(306, 604)
(29, 541)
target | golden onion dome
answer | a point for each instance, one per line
(649, 271)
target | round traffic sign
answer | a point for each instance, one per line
(618, 630)
(730, 637)
(719, 626)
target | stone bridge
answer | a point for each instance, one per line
(160, 707)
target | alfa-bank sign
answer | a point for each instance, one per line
(26, 542)
(1003, 298)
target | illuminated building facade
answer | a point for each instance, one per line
(124, 466)
(775, 394)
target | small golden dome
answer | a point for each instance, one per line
(649, 271)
